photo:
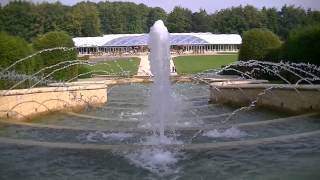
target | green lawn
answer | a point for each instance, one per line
(113, 67)
(195, 64)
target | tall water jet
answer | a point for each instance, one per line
(161, 105)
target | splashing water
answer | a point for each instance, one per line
(100, 136)
(228, 133)
(158, 161)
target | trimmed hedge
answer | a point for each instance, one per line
(49, 58)
(303, 45)
(256, 43)
(12, 49)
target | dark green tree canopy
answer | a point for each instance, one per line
(18, 19)
(256, 43)
(200, 21)
(85, 19)
(156, 14)
(49, 58)
(27, 20)
(53, 39)
(13, 48)
(303, 45)
(179, 20)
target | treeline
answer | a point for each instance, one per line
(27, 20)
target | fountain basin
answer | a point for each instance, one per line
(23, 104)
(282, 97)
(108, 142)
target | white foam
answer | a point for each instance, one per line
(158, 161)
(155, 140)
(228, 133)
(97, 136)
(117, 136)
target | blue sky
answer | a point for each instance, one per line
(209, 5)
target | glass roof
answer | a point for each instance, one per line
(143, 40)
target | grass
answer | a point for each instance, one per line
(196, 64)
(113, 67)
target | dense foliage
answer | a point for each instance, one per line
(49, 58)
(303, 45)
(12, 49)
(256, 43)
(27, 20)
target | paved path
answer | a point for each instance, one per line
(144, 67)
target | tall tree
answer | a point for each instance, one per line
(229, 21)
(85, 18)
(270, 19)
(179, 20)
(1, 21)
(18, 19)
(290, 18)
(253, 17)
(156, 14)
(200, 21)
(52, 17)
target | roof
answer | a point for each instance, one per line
(113, 40)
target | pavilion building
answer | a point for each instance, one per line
(181, 43)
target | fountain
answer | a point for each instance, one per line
(164, 130)
(161, 104)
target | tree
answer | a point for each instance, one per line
(17, 18)
(85, 18)
(12, 49)
(52, 17)
(229, 21)
(303, 45)
(49, 58)
(270, 19)
(123, 17)
(179, 20)
(253, 17)
(156, 14)
(256, 43)
(290, 18)
(200, 21)
(1, 21)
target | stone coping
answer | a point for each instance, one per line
(101, 81)
(237, 81)
(264, 86)
(51, 89)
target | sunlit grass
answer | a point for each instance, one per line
(195, 64)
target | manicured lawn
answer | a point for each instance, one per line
(114, 67)
(196, 64)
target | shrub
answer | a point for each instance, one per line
(303, 45)
(49, 58)
(11, 50)
(256, 43)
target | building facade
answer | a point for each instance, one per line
(181, 43)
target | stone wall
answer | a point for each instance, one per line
(26, 103)
(291, 98)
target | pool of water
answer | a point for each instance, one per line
(203, 142)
